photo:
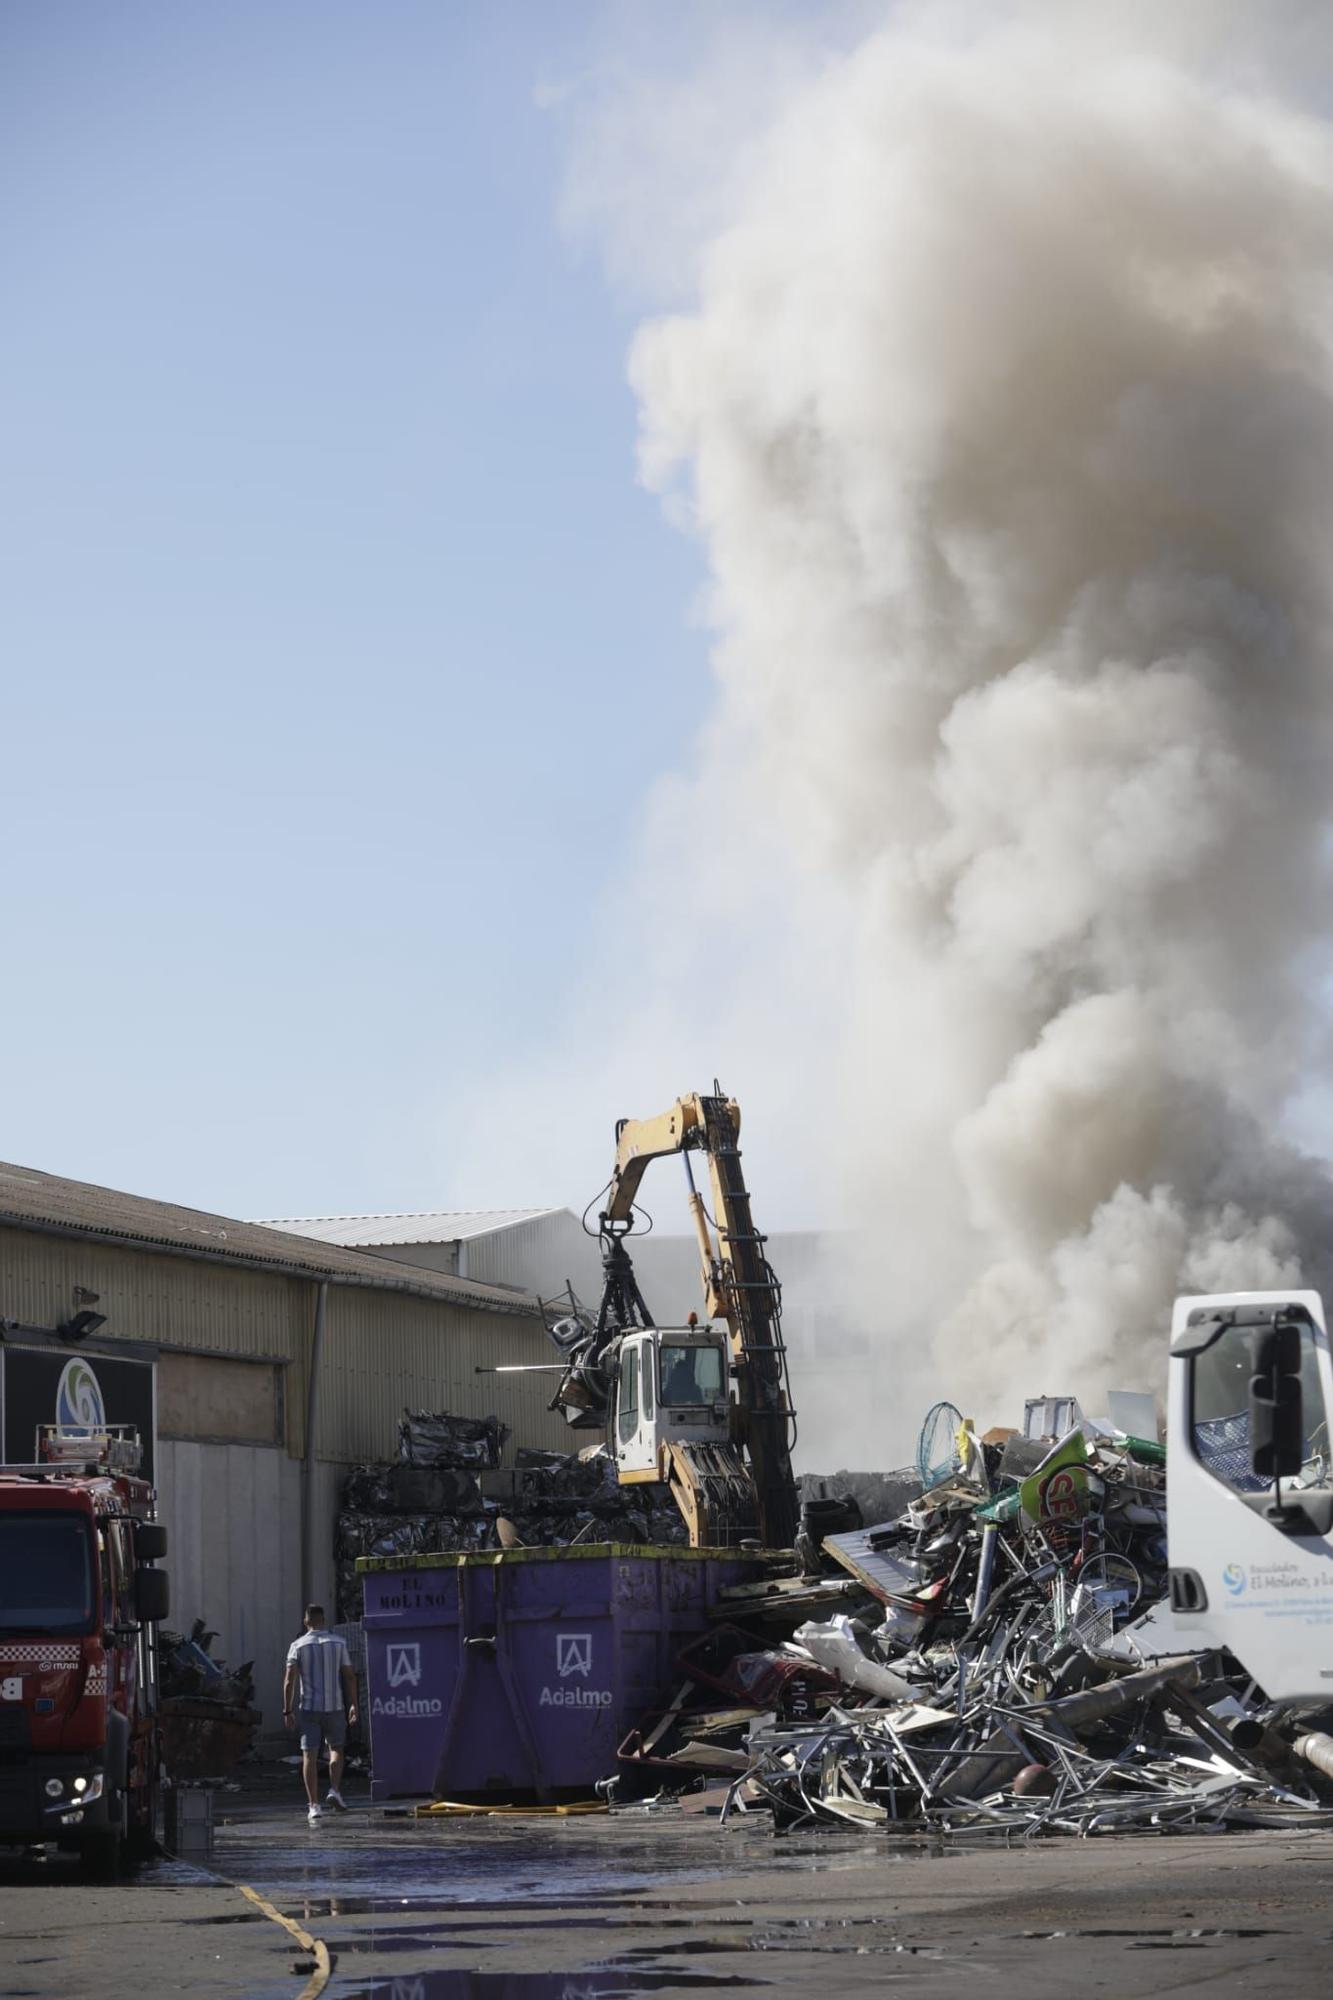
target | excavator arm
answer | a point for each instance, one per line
(640, 1141)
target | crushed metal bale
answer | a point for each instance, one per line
(437, 1438)
(447, 1493)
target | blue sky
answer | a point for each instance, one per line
(339, 640)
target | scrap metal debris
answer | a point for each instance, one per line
(557, 1498)
(993, 1662)
(447, 1492)
(437, 1438)
(208, 1714)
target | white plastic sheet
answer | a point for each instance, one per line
(833, 1645)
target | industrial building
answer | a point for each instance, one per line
(258, 1366)
(538, 1250)
(260, 1361)
(542, 1250)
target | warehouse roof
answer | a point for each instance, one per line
(30, 1199)
(436, 1225)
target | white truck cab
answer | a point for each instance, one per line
(671, 1387)
(1250, 1486)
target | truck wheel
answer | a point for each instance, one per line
(101, 1853)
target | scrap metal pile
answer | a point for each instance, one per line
(208, 1714)
(447, 1492)
(998, 1658)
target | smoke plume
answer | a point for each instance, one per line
(1005, 413)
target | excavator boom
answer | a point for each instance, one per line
(640, 1141)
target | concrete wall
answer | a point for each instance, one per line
(233, 1518)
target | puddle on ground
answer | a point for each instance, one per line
(384, 1878)
(594, 1982)
(42, 1868)
(756, 1931)
(1137, 1931)
(1155, 1939)
(393, 1866)
(712, 1937)
(710, 1943)
(231, 1917)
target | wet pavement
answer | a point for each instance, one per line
(670, 1903)
(667, 1902)
(173, 1929)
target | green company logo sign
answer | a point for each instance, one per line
(80, 1405)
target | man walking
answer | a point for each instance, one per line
(319, 1679)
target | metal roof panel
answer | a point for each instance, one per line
(421, 1226)
(31, 1199)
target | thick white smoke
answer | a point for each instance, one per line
(1006, 414)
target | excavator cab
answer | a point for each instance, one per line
(671, 1388)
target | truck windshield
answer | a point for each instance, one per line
(46, 1573)
(691, 1375)
(1220, 1411)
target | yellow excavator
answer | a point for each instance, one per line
(704, 1408)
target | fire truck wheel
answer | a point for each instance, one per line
(101, 1853)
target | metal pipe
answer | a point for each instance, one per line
(990, 1535)
(1317, 1749)
(311, 1426)
(1113, 1697)
(524, 1368)
(1261, 1745)
(983, 1617)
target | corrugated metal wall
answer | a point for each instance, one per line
(384, 1350)
(146, 1296)
(385, 1353)
(233, 1518)
(537, 1256)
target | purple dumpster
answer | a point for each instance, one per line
(516, 1674)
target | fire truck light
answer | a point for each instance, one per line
(80, 1784)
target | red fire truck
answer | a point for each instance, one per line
(79, 1605)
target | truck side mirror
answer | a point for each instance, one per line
(152, 1596)
(150, 1541)
(1277, 1428)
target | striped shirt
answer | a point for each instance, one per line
(319, 1658)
